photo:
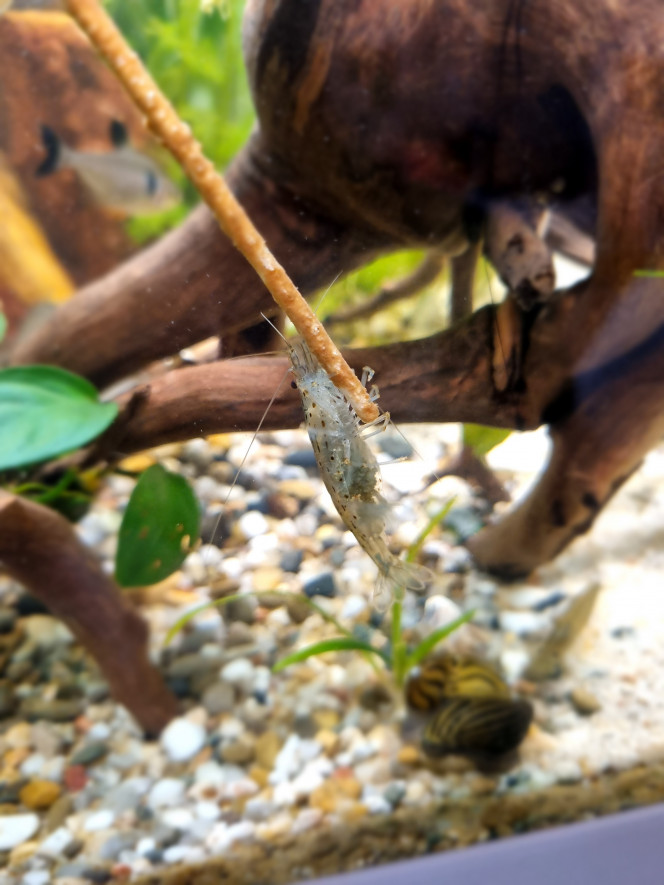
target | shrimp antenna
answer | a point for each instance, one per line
(283, 338)
(253, 438)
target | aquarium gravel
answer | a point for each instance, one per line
(321, 759)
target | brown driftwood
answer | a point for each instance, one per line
(387, 125)
(39, 548)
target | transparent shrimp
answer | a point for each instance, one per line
(349, 468)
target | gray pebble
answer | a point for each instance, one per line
(394, 793)
(463, 521)
(304, 726)
(80, 870)
(549, 601)
(89, 753)
(96, 690)
(337, 557)
(291, 560)
(116, 843)
(53, 711)
(321, 585)
(218, 698)
(301, 458)
(394, 445)
(190, 664)
(242, 609)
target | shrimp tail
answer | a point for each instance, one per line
(409, 576)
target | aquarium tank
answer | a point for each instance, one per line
(332, 482)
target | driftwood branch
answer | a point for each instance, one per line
(40, 550)
(446, 377)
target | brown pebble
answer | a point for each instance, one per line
(408, 755)
(38, 795)
(57, 813)
(75, 778)
(240, 751)
(297, 608)
(20, 853)
(267, 747)
(584, 702)
(259, 775)
(329, 741)
(327, 719)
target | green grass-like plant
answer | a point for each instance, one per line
(397, 657)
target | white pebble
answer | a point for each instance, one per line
(215, 775)
(145, 846)
(377, 805)
(259, 809)
(46, 631)
(99, 820)
(36, 877)
(100, 731)
(307, 819)
(353, 607)
(56, 842)
(183, 854)
(513, 661)
(231, 729)
(16, 829)
(523, 623)
(182, 739)
(285, 795)
(223, 835)
(207, 811)
(166, 793)
(239, 672)
(251, 524)
(32, 765)
(178, 818)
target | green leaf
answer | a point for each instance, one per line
(422, 650)
(46, 411)
(341, 643)
(3, 326)
(158, 528)
(482, 439)
(414, 550)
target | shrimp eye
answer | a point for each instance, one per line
(293, 385)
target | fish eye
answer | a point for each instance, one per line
(293, 385)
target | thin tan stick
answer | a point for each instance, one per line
(232, 218)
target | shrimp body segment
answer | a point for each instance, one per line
(349, 467)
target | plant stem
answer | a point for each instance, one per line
(398, 645)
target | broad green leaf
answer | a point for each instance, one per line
(158, 528)
(46, 411)
(341, 643)
(422, 650)
(482, 439)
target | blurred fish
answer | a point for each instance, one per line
(446, 677)
(122, 178)
(487, 727)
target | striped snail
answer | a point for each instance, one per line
(473, 712)
(477, 726)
